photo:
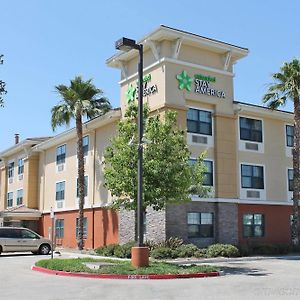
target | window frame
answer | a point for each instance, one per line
(85, 227)
(201, 225)
(20, 166)
(61, 157)
(10, 169)
(10, 200)
(288, 135)
(18, 197)
(252, 177)
(62, 192)
(290, 181)
(253, 225)
(251, 130)
(86, 186)
(199, 122)
(192, 161)
(86, 147)
(59, 228)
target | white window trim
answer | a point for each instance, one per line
(242, 143)
(210, 138)
(64, 200)
(289, 193)
(21, 189)
(288, 149)
(243, 191)
(86, 198)
(61, 164)
(12, 199)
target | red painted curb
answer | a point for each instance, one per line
(123, 276)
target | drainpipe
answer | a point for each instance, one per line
(94, 188)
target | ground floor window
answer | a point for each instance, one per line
(253, 225)
(200, 225)
(59, 228)
(84, 227)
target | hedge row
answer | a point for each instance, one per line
(172, 248)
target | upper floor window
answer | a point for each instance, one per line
(208, 174)
(84, 227)
(20, 166)
(61, 154)
(199, 121)
(253, 225)
(85, 145)
(291, 179)
(19, 197)
(289, 129)
(11, 167)
(250, 129)
(200, 224)
(10, 197)
(252, 176)
(59, 228)
(60, 191)
(86, 181)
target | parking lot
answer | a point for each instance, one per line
(247, 278)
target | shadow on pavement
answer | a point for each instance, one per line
(228, 270)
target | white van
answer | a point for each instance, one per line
(16, 239)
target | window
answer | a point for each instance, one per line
(86, 182)
(20, 166)
(61, 154)
(289, 129)
(200, 225)
(252, 177)
(11, 169)
(19, 197)
(60, 191)
(291, 179)
(250, 129)
(84, 227)
(10, 196)
(208, 180)
(199, 121)
(26, 234)
(59, 228)
(85, 145)
(253, 225)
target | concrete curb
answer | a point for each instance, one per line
(123, 276)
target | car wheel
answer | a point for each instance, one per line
(0, 250)
(44, 249)
(35, 252)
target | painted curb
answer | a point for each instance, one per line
(123, 276)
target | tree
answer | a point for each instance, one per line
(287, 86)
(2, 85)
(168, 177)
(80, 99)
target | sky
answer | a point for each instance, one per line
(46, 43)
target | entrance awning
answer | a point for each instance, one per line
(20, 213)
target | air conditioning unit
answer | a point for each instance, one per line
(59, 204)
(10, 180)
(20, 177)
(251, 146)
(253, 194)
(199, 139)
(60, 168)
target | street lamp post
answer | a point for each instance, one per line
(140, 254)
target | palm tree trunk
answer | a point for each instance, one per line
(80, 179)
(295, 221)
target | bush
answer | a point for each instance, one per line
(186, 250)
(162, 252)
(222, 250)
(107, 250)
(200, 253)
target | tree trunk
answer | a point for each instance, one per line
(295, 221)
(80, 180)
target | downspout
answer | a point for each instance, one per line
(94, 189)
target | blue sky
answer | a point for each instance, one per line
(46, 43)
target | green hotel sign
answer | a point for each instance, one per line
(202, 84)
(132, 91)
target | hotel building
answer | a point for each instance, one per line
(249, 158)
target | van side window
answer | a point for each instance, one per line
(25, 234)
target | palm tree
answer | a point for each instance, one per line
(80, 99)
(287, 86)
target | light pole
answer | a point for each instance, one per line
(125, 44)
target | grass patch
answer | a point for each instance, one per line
(121, 267)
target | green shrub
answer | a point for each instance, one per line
(161, 253)
(173, 243)
(151, 244)
(187, 250)
(200, 253)
(107, 250)
(224, 250)
(270, 249)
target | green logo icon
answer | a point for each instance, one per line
(130, 93)
(184, 81)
